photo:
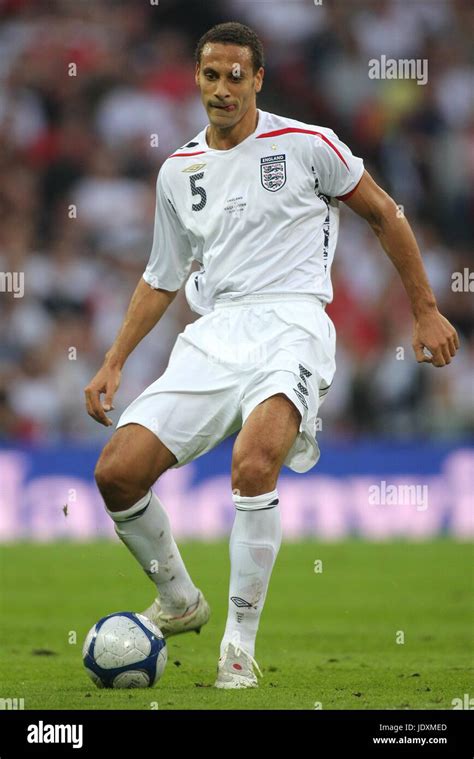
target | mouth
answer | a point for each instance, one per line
(227, 108)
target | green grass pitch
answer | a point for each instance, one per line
(327, 639)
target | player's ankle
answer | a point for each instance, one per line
(181, 608)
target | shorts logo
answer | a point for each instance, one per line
(273, 172)
(302, 386)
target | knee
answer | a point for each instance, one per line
(119, 487)
(254, 473)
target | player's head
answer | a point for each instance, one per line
(229, 72)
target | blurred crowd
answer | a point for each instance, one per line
(95, 95)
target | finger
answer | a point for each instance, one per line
(94, 408)
(108, 400)
(446, 352)
(88, 402)
(101, 417)
(438, 357)
(452, 346)
(456, 340)
(421, 356)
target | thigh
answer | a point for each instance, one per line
(137, 454)
(192, 406)
(269, 431)
(299, 364)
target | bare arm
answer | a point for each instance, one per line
(432, 330)
(146, 308)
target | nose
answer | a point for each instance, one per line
(221, 91)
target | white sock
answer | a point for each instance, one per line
(145, 530)
(254, 544)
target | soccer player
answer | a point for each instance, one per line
(254, 198)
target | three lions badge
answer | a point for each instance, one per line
(273, 172)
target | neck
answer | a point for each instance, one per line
(224, 139)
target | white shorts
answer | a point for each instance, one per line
(230, 360)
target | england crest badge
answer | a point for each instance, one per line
(273, 172)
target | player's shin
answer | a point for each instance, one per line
(145, 530)
(254, 544)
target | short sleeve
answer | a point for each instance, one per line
(338, 170)
(171, 254)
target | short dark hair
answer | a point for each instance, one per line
(233, 33)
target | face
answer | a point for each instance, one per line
(227, 82)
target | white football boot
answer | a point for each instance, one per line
(236, 669)
(193, 618)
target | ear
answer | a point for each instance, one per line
(196, 74)
(259, 79)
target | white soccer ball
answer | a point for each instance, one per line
(124, 650)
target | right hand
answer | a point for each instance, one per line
(106, 381)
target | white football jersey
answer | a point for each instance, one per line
(261, 217)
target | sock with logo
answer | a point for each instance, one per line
(254, 544)
(145, 529)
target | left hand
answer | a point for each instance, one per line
(434, 332)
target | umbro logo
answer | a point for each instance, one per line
(302, 390)
(301, 397)
(194, 168)
(240, 602)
